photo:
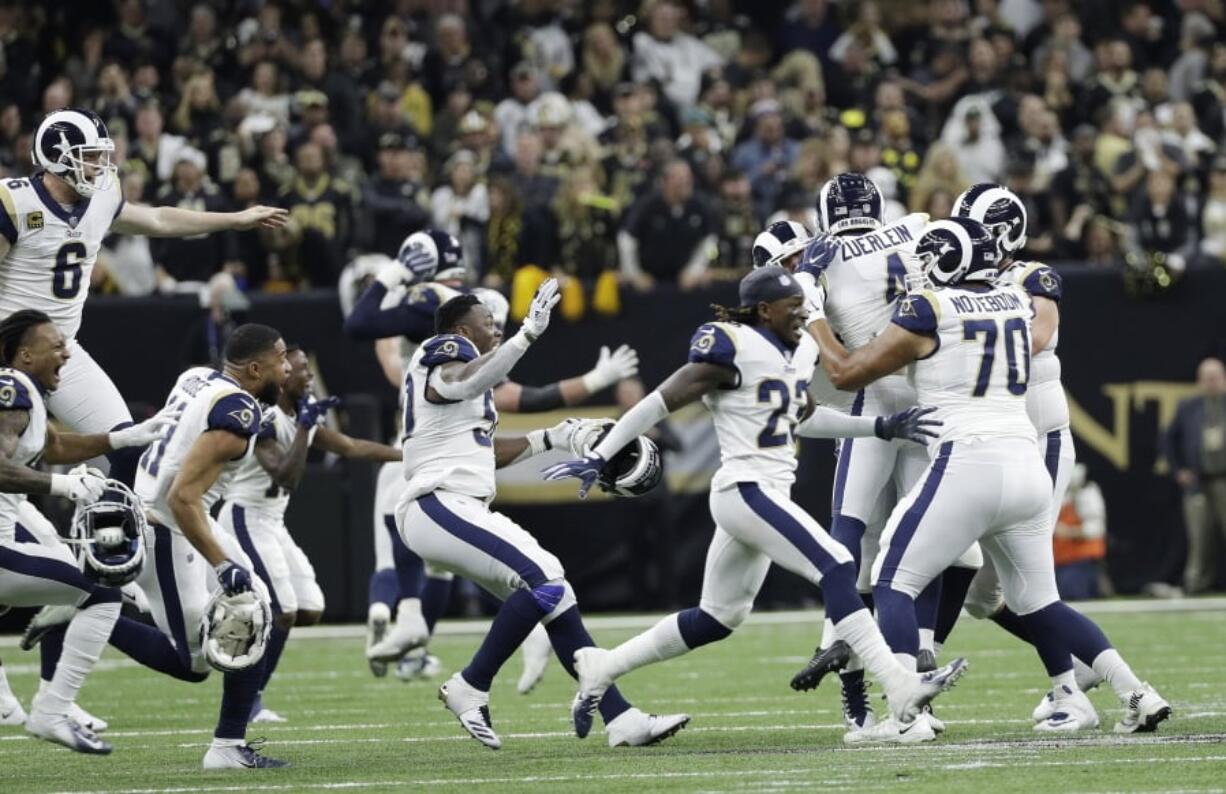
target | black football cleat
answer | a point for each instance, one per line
(826, 661)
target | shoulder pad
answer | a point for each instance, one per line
(918, 312)
(447, 347)
(15, 393)
(713, 343)
(237, 412)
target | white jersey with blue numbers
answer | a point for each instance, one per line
(863, 282)
(252, 485)
(202, 399)
(53, 249)
(755, 419)
(1045, 398)
(18, 392)
(447, 444)
(978, 374)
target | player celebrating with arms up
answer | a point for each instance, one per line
(753, 374)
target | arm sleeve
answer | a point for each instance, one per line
(534, 399)
(649, 412)
(829, 423)
(369, 321)
(442, 349)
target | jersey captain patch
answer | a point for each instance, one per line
(34, 220)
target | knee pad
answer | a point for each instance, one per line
(728, 615)
(984, 598)
(553, 597)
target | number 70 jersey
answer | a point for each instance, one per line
(52, 250)
(755, 419)
(978, 375)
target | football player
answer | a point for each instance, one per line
(969, 340)
(450, 454)
(752, 370)
(51, 227)
(34, 572)
(257, 497)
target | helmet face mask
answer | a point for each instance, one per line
(234, 630)
(75, 146)
(110, 535)
(633, 471)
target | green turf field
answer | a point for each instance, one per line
(750, 732)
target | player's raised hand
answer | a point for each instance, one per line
(142, 434)
(910, 424)
(262, 217)
(311, 412)
(586, 470)
(818, 254)
(546, 298)
(612, 367)
(82, 484)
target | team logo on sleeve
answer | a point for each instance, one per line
(245, 416)
(8, 393)
(450, 349)
(906, 307)
(1047, 282)
(34, 220)
(705, 341)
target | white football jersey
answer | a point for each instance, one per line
(863, 283)
(978, 374)
(18, 392)
(252, 486)
(53, 249)
(202, 399)
(447, 445)
(1045, 398)
(756, 418)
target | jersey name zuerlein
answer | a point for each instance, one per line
(877, 241)
(995, 302)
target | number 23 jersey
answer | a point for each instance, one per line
(756, 415)
(53, 249)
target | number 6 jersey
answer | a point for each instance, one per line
(978, 374)
(52, 249)
(756, 417)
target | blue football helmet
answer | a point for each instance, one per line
(432, 255)
(997, 208)
(957, 250)
(780, 241)
(73, 144)
(109, 535)
(849, 202)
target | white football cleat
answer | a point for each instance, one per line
(1071, 711)
(635, 728)
(1143, 710)
(407, 633)
(1086, 679)
(471, 707)
(536, 650)
(11, 712)
(938, 726)
(591, 668)
(86, 720)
(857, 708)
(239, 756)
(45, 620)
(377, 619)
(59, 729)
(418, 665)
(907, 704)
(891, 731)
(267, 715)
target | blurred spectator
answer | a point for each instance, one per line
(252, 248)
(767, 156)
(665, 53)
(670, 235)
(581, 228)
(865, 32)
(511, 114)
(1197, 147)
(939, 173)
(506, 233)
(321, 213)
(1146, 35)
(1213, 220)
(386, 116)
(1100, 245)
(1195, 40)
(392, 206)
(1080, 184)
(1147, 154)
(604, 63)
(533, 188)
(1065, 43)
(535, 27)
(10, 131)
(133, 38)
(738, 222)
(264, 95)
(1160, 220)
(1209, 98)
(1196, 452)
(114, 101)
(198, 116)
(1114, 77)
(126, 259)
(153, 151)
(976, 144)
(452, 64)
(809, 25)
(461, 206)
(338, 87)
(197, 258)
(1080, 539)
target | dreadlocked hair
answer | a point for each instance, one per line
(745, 315)
(13, 332)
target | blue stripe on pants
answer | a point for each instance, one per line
(786, 525)
(164, 560)
(39, 567)
(911, 519)
(244, 541)
(840, 473)
(482, 539)
(1052, 458)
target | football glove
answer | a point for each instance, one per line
(612, 367)
(140, 435)
(586, 470)
(537, 319)
(909, 424)
(234, 578)
(311, 412)
(82, 484)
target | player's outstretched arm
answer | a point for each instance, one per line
(178, 222)
(78, 447)
(284, 464)
(354, 448)
(201, 468)
(890, 351)
(370, 319)
(611, 367)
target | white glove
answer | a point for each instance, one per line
(571, 436)
(141, 435)
(393, 274)
(612, 367)
(542, 306)
(82, 484)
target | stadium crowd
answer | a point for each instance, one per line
(640, 139)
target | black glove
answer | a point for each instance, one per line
(909, 424)
(234, 578)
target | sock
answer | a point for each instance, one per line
(124, 461)
(1112, 667)
(1065, 679)
(896, 614)
(926, 641)
(660, 642)
(5, 690)
(410, 570)
(955, 584)
(567, 634)
(514, 621)
(850, 532)
(86, 636)
(862, 634)
(435, 596)
(272, 654)
(384, 588)
(149, 646)
(927, 603)
(238, 694)
(1060, 632)
(829, 635)
(839, 592)
(49, 651)
(1011, 622)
